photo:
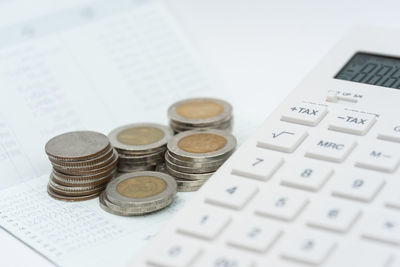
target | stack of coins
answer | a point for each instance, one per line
(83, 162)
(193, 156)
(140, 146)
(200, 113)
(138, 193)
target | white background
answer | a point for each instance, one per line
(259, 50)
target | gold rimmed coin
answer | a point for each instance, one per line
(139, 192)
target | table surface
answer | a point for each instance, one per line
(258, 49)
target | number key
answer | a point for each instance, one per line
(283, 206)
(175, 254)
(233, 193)
(257, 164)
(253, 234)
(206, 224)
(307, 175)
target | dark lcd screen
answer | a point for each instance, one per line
(372, 69)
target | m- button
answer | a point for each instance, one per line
(330, 147)
(379, 157)
(352, 122)
(304, 114)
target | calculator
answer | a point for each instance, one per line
(318, 184)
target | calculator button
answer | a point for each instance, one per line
(393, 199)
(379, 157)
(175, 254)
(253, 234)
(223, 259)
(333, 216)
(358, 186)
(395, 262)
(390, 132)
(284, 138)
(283, 206)
(233, 193)
(204, 224)
(307, 175)
(330, 147)
(359, 255)
(257, 164)
(352, 122)
(383, 227)
(308, 249)
(305, 114)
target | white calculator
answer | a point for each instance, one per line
(317, 185)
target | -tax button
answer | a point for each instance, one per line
(352, 122)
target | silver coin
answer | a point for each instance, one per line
(189, 176)
(84, 172)
(184, 169)
(220, 144)
(77, 145)
(83, 177)
(140, 189)
(134, 211)
(221, 124)
(140, 137)
(199, 111)
(76, 163)
(195, 165)
(70, 193)
(82, 182)
(88, 167)
(123, 169)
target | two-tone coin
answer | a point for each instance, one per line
(200, 113)
(194, 156)
(138, 193)
(140, 146)
(83, 162)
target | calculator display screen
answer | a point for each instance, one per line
(372, 69)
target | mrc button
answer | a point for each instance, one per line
(330, 147)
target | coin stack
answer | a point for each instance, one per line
(83, 162)
(140, 146)
(200, 113)
(138, 193)
(193, 156)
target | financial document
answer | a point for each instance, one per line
(95, 66)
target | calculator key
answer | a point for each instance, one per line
(285, 138)
(257, 164)
(390, 132)
(331, 147)
(308, 249)
(383, 227)
(282, 206)
(352, 122)
(253, 234)
(233, 193)
(394, 262)
(333, 216)
(359, 255)
(393, 198)
(379, 157)
(307, 175)
(305, 114)
(358, 186)
(175, 254)
(205, 224)
(223, 259)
